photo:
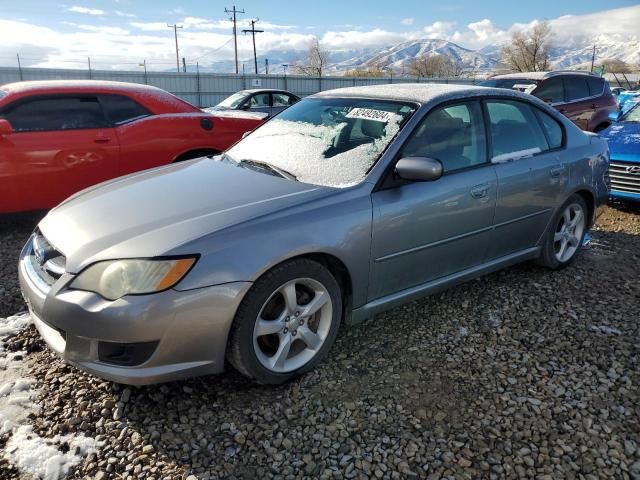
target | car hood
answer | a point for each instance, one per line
(624, 140)
(149, 213)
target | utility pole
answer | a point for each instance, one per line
(89, 63)
(184, 65)
(235, 32)
(19, 67)
(144, 64)
(175, 33)
(593, 57)
(266, 66)
(253, 34)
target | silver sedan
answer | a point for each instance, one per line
(350, 202)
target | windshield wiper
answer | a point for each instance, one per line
(267, 166)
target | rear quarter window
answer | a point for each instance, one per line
(596, 85)
(121, 109)
(551, 128)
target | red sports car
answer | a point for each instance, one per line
(58, 137)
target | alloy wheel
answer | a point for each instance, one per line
(569, 232)
(292, 325)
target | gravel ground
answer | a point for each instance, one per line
(525, 373)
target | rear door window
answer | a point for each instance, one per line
(121, 109)
(551, 90)
(596, 86)
(60, 113)
(515, 130)
(577, 88)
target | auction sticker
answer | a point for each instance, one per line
(370, 114)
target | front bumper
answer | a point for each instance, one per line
(184, 333)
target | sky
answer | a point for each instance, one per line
(123, 33)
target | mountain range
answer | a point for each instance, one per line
(574, 54)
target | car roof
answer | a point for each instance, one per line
(539, 75)
(266, 90)
(417, 92)
(155, 99)
(46, 86)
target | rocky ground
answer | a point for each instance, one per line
(525, 373)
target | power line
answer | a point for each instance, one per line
(214, 50)
(253, 34)
(175, 27)
(235, 32)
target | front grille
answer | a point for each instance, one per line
(622, 178)
(46, 264)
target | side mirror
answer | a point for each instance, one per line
(419, 169)
(246, 106)
(5, 128)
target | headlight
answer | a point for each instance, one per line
(116, 278)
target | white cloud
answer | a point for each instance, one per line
(86, 10)
(122, 47)
(124, 14)
(408, 21)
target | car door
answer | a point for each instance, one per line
(525, 150)
(579, 106)
(60, 145)
(143, 144)
(280, 101)
(427, 230)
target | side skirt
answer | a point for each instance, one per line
(414, 293)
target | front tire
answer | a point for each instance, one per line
(286, 323)
(565, 235)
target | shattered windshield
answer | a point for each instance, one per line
(233, 101)
(325, 141)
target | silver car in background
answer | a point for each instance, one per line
(349, 202)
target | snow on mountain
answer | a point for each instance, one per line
(572, 53)
(577, 52)
(399, 56)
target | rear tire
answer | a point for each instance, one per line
(286, 323)
(565, 234)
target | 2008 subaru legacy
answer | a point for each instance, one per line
(349, 202)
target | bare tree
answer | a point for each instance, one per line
(434, 66)
(374, 71)
(316, 61)
(528, 50)
(613, 65)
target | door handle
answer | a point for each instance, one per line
(594, 106)
(102, 140)
(480, 191)
(556, 171)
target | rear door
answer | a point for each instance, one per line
(525, 150)
(423, 231)
(60, 145)
(579, 106)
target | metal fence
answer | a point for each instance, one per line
(206, 89)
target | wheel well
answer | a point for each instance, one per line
(601, 127)
(589, 199)
(341, 274)
(201, 152)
